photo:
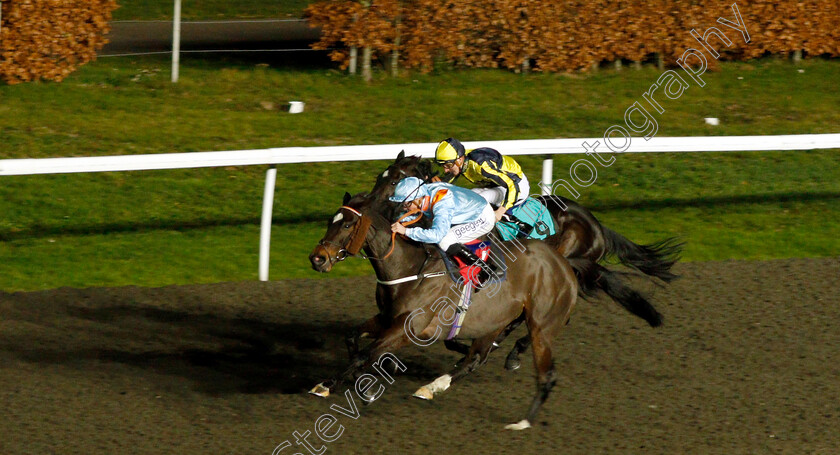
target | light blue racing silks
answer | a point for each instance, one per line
(447, 204)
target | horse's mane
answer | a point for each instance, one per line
(375, 210)
(422, 168)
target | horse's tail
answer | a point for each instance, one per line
(587, 273)
(634, 302)
(655, 259)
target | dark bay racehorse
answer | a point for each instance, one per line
(540, 284)
(579, 235)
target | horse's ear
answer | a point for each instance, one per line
(346, 198)
(400, 156)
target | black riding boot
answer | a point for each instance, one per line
(524, 229)
(488, 269)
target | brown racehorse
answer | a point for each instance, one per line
(540, 284)
(579, 235)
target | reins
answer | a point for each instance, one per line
(408, 223)
(359, 234)
(357, 238)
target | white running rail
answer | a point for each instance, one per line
(274, 156)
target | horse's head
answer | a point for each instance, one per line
(402, 167)
(346, 233)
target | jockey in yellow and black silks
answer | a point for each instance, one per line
(501, 180)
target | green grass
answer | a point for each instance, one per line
(202, 225)
(210, 9)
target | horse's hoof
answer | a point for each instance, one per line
(424, 393)
(512, 364)
(368, 398)
(320, 391)
(521, 425)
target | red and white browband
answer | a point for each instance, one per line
(352, 210)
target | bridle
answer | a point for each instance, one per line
(354, 241)
(357, 238)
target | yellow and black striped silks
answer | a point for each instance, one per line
(486, 166)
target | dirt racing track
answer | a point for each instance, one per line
(746, 363)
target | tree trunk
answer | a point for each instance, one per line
(797, 56)
(366, 53)
(637, 65)
(354, 53)
(354, 57)
(395, 54)
(660, 62)
(618, 66)
(367, 74)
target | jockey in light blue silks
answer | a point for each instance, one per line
(458, 216)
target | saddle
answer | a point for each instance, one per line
(486, 251)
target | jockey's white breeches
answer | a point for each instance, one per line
(495, 195)
(463, 233)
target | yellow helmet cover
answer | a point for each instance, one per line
(449, 150)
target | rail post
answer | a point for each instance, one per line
(176, 40)
(265, 224)
(547, 169)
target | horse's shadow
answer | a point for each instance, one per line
(217, 353)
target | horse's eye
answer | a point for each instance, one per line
(393, 183)
(347, 226)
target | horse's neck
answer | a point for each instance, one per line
(404, 261)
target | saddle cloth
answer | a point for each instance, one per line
(531, 213)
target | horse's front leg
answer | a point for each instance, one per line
(370, 328)
(390, 340)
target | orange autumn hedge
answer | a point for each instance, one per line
(49, 39)
(568, 35)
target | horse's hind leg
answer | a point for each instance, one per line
(507, 330)
(521, 345)
(457, 346)
(512, 361)
(541, 331)
(546, 378)
(477, 356)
